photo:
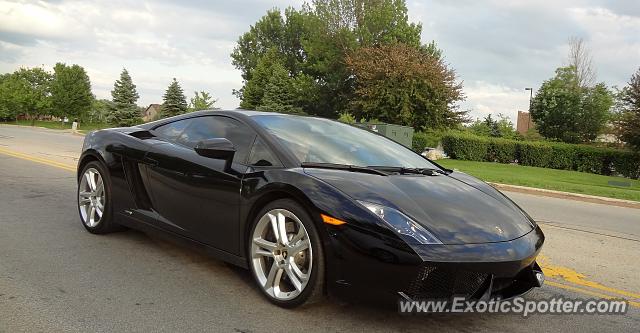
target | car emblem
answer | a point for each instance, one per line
(499, 230)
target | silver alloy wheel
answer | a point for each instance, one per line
(281, 254)
(91, 197)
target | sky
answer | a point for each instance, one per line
(497, 47)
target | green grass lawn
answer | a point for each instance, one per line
(83, 127)
(551, 179)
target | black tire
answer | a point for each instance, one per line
(106, 223)
(314, 290)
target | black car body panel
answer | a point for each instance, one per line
(434, 202)
(159, 186)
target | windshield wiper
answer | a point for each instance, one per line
(346, 167)
(405, 170)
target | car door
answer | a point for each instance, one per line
(194, 195)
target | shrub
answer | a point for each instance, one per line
(604, 161)
(626, 164)
(428, 138)
(420, 141)
(562, 156)
(465, 146)
(501, 150)
(534, 153)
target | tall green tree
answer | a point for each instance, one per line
(202, 101)
(254, 89)
(99, 111)
(125, 112)
(565, 110)
(630, 118)
(30, 92)
(7, 107)
(502, 127)
(279, 94)
(175, 102)
(402, 84)
(312, 44)
(71, 91)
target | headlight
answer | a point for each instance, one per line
(409, 230)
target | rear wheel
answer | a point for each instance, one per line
(286, 256)
(94, 199)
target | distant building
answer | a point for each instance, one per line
(151, 112)
(525, 123)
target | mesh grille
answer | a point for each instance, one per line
(438, 282)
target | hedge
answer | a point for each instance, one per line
(603, 161)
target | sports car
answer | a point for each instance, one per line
(311, 206)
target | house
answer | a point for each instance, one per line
(151, 112)
(525, 123)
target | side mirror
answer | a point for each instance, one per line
(218, 148)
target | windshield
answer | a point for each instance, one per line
(317, 140)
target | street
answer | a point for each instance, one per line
(55, 276)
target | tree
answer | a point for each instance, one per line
(373, 22)
(581, 61)
(312, 45)
(347, 118)
(254, 89)
(175, 102)
(499, 128)
(30, 92)
(202, 101)
(401, 84)
(7, 107)
(99, 110)
(279, 94)
(630, 117)
(566, 111)
(125, 112)
(71, 91)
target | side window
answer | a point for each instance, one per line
(261, 155)
(172, 130)
(209, 127)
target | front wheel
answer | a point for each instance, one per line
(286, 256)
(94, 199)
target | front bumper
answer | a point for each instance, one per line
(374, 266)
(441, 282)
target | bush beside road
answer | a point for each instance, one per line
(555, 155)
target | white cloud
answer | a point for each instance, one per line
(498, 47)
(484, 98)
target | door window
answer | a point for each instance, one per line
(209, 127)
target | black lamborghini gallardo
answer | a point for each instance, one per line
(311, 206)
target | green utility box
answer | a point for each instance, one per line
(398, 133)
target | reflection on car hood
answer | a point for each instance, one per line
(457, 208)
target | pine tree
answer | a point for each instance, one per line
(175, 102)
(125, 112)
(279, 94)
(630, 122)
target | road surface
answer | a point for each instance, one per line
(54, 276)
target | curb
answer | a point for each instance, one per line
(568, 195)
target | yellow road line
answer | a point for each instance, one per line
(579, 279)
(48, 162)
(587, 292)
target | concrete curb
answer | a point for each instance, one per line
(568, 195)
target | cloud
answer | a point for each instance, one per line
(498, 47)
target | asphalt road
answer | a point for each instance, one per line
(54, 276)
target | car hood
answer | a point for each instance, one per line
(456, 208)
